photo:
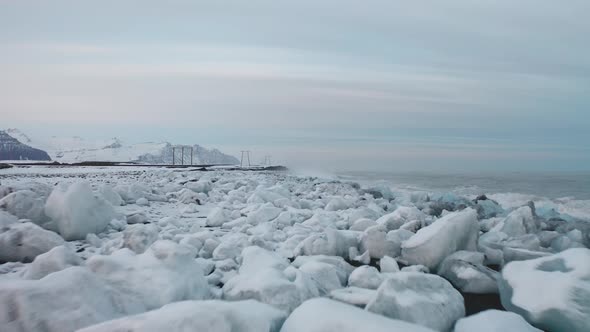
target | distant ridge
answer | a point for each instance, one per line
(12, 149)
(78, 149)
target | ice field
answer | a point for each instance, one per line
(155, 249)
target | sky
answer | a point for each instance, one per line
(334, 85)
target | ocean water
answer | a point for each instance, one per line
(554, 185)
(567, 192)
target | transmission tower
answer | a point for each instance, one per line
(247, 154)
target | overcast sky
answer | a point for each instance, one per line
(376, 85)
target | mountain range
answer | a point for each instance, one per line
(78, 149)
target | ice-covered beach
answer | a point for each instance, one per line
(157, 249)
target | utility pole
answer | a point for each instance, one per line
(192, 155)
(173, 155)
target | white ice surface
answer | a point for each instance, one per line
(323, 315)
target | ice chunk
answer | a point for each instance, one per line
(142, 201)
(396, 238)
(331, 243)
(56, 259)
(165, 273)
(77, 212)
(552, 293)
(323, 274)
(342, 268)
(517, 254)
(365, 277)
(22, 242)
(210, 316)
(217, 217)
(465, 270)
(400, 216)
(388, 265)
(337, 203)
(323, 315)
(231, 246)
(519, 222)
(264, 276)
(110, 195)
(201, 186)
(494, 321)
(63, 301)
(424, 299)
(136, 217)
(353, 295)
(188, 196)
(139, 237)
(490, 244)
(380, 191)
(268, 285)
(255, 259)
(265, 213)
(453, 232)
(416, 268)
(546, 237)
(6, 219)
(362, 224)
(374, 240)
(26, 204)
(487, 208)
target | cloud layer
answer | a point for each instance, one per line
(381, 84)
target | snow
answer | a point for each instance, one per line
(494, 321)
(431, 244)
(323, 315)
(419, 298)
(559, 297)
(210, 316)
(77, 212)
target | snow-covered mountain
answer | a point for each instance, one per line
(12, 149)
(78, 149)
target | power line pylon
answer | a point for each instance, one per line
(247, 154)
